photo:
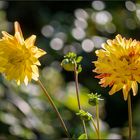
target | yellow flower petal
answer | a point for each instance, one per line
(26, 80)
(18, 29)
(40, 53)
(6, 35)
(19, 38)
(126, 90)
(114, 89)
(134, 87)
(30, 41)
(37, 63)
(34, 76)
(119, 38)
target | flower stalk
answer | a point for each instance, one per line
(94, 101)
(76, 85)
(71, 63)
(77, 94)
(130, 116)
(54, 107)
(96, 129)
(97, 116)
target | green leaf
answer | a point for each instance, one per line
(71, 55)
(82, 136)
(79, 68)
(79, 59)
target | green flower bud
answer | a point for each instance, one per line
(84, 115)
(94, 99)
(93, 102)
(67, 65)
(70, 60)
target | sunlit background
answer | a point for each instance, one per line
(63, 26)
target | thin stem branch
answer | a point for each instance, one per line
(97, 116)
(54, 107)
(97, 132)
(84, 127)
(130, 116)
(78, 98)
(76, 85)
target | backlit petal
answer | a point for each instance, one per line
(30, 41)
(40, 53)
(114, 89)
(18, 29)
(134, 87)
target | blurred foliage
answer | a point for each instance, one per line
(63, 26)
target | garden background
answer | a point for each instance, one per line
(63, 26)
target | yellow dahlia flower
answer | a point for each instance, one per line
(21, 55)
(118, 65)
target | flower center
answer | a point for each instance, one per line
(127, 58)
(19, 57)
(130, 57)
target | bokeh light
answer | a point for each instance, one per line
(87, 45)
(61, 35)
(98, 41)
(81, 14)
(81, 23)
(98, 5)
(78, 33)
(47, 30)
(56, 43)
(130, 5)
(130, 23)
(103, 17)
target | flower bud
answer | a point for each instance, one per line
(67, 65)
(94, 99)
(84, 115)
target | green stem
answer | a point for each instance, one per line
(54, 107)
(78, 99)
(130, 116)
(84, 127)
(97, 132)
(97, 116)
